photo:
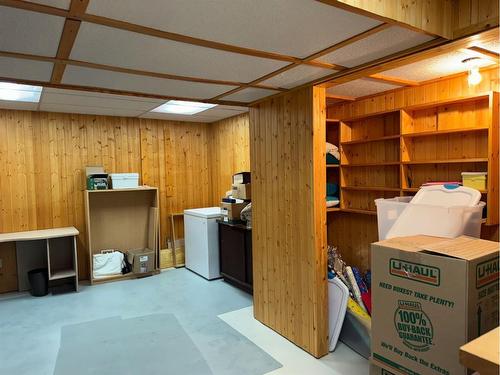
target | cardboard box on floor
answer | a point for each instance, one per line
(430, 296)
(142, 260)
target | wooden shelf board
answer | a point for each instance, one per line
(378, 139)
(127, 276)
(371, 164)
(446, 161)
(442, 132)
(332, 120)
(62, 274)
(332, 209)
(370, 188)
(460, 99)
(373, 114)
(333, 165)
(358, 211)
(140, 188)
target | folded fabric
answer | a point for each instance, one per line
(332, 150)
(332, 189)
(108, 264)
(332, 201)
(330, 159)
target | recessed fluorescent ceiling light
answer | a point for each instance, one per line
(19, 93)
(183, 108)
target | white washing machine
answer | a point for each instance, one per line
(201, 240)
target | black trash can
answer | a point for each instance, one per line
(39, 281)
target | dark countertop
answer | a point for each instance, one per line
(238, 225)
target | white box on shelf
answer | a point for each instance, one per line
(124, 180)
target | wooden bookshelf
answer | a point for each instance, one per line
(395, 152)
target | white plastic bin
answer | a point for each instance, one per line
(426, 219)
(124, 180)
(388, 210)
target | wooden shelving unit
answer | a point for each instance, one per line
(333, 170)
(395, 152)
(122, 219)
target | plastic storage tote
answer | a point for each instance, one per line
(398, 218)
(475, 180)
(124, 180)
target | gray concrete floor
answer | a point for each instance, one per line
(30, 327)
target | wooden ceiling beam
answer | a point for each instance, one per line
(490, 55)
(68, 37)
(311, 58)
(393, 80)
(341, 97)
(430, 17)
(104, 90)
(85, 64)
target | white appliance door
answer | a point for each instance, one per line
(213, 249)
(196, 244)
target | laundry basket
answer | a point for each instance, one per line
(397, 217)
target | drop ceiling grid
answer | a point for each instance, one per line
(25, 69)
(248, 95)
(386, 42)
(29, 32)
(258, 24)
(76, 75)
(435, 67)
(175, 117)
(493, 45)
(89, 110)
(56, 97)
(361, 87)
(110, 46)
(297, 76)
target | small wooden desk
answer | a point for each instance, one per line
(54, 249)
(482, 354)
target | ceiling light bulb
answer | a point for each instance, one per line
(474, 76)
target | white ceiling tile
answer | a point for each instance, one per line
(249, 95)
(494, 46)
(219, 113)
(25, 69)
(65, 108)
(435, 67)
(174, 117)
(23, 106)
(258, 24)
(105, 45)
(97, 100)
(29, 32)
(389, 41)
(62, 4)
(129, 82)
(361, 87)
(297, 76)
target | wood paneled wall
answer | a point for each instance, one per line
(43, 157)
(353, 233)
(289, 258)
(474, 15)
(229, 152)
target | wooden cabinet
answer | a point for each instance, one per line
(122, 219)
(235, 246)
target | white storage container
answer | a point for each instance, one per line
(388, 211)
(124, 180)
(426, 219)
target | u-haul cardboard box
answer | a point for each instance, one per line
(430, 296)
